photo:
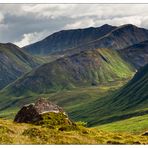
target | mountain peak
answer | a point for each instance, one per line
(128, 26)
(106, 25)
(67, 39)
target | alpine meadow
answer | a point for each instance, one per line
(74, 74)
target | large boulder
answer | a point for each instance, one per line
(32, 113)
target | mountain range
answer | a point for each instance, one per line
(80, 59)
(105, 36)
(67, 39)
(86, 68)
(69, 42)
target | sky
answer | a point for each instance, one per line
(23, 24)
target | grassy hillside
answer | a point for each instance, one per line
(13, 63)
(129, 101)
(132, 125)
(68, 99)
(96, 104)
(16, 133)
(89, 68)
(77, 98)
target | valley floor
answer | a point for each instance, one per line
(14, 133)
(70, 100)
(79, 104)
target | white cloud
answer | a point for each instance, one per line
(80, 10)
(30, 38)
(1, 18)
(49, 10)
(121, 21)
(81, 24)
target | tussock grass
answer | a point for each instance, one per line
(16, 133)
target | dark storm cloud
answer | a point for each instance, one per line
(17, 26)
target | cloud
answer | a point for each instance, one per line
(30, 38)
(81, 24)
(121, 21)
(1, 18)
(27, 23)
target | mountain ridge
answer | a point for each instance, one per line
(84, 68)
(76, 36)
(136, 54)
(129, 101)
(13, 63)
(115, 38)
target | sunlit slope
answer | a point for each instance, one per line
(137, 124)
(89, 68)
(129, 101)
(14, 133)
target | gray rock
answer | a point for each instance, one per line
(32, 112)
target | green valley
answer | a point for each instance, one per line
(78, 86)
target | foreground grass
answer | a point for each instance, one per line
(14, 133)
(133, 125)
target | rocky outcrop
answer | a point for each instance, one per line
(33, 112)
(145, 134)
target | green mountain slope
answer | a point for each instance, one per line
(84, 69)
(136, 125)
(129, 101)
(13, 63)
(88, 68)
(68, 99)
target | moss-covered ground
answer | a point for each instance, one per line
(16, 133)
